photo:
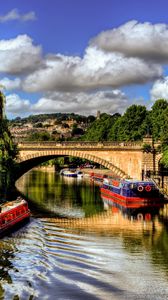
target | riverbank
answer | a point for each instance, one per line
(88, 171)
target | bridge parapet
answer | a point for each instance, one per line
(71, 144)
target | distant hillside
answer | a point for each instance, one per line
(56, 116)
(55, 126)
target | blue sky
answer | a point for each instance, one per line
(82, 56)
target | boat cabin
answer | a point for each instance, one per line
(13, 212)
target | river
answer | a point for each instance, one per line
(77, 247)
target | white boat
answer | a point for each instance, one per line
(62, 172)
(79, 174)
(69, 173)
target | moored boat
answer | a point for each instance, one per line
(69, 173)
(12, 213)
(97, 177)
(79, 174)
(131, 193)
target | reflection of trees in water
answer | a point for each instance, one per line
(153, 241)
(49, 190)
(160, 247)
(144, 240)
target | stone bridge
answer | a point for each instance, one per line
(124, 159)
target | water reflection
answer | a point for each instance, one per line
(103, 253)
(56, 195)
(139, 211)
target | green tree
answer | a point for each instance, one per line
(39, 136)
(164, 129)
(158, 116)
(164, 159)
(99, 129)
(8, 151)
(38, 125)
(132, 126)
(76, 130)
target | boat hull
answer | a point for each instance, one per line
(70, 175)
(131, 202)
(13, 224)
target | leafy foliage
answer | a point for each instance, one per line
(100, 128)
(130, 127)
(158, 117)
(39, 136)
(8, 149)
(164, 159)
(147, 148)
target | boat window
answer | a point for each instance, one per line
(3, 220)
(6, 218)
(17, 212)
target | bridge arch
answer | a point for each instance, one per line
(33, 159)
(125, 159)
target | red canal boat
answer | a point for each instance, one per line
(97, 177)
(131, 193)
(12, 213)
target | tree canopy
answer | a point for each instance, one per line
(100, 128)
(133, 125)
(8, 150)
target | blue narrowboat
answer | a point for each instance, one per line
(132, 193)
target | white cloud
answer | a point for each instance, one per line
(9, 84)
(19, 55)
(16, 105)
(132, 54)
(110, 101)
(96, 70)
(160, 89)
(130, 60)
(56, 73)
(143, 40)
(15, 15)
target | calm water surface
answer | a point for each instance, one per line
(75, 247)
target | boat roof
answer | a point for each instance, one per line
(12, 204)
(138, 181)
(129, 181)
